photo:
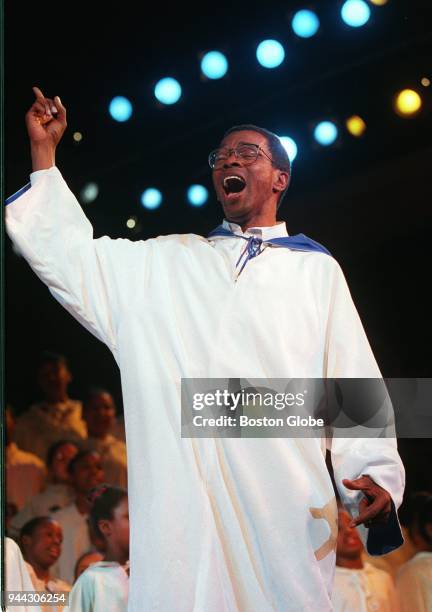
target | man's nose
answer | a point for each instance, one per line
(231, 161)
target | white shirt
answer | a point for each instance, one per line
(54, 497)
(221, 525)
(76, 541)
(25, 475)
(363, 590)
(103, 587)
(17, 576)
(414, 583)
(114, 460)
(44, 424)
(54, 585)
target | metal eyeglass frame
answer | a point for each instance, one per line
(234, 150)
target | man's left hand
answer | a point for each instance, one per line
(375, 508)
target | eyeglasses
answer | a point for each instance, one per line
(247, 152)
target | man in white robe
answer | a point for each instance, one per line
(217, 525)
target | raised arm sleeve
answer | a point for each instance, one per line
(349, 355)
(48, 226)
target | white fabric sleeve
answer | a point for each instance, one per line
(349, 355)
(82, 595)
(89, 277)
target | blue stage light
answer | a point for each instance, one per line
(120, 108)
(168, 90)
(214, 65)
(325, 133)
(305, 23)
(89, 193)
(151, 198)
(290, 147)
(355, 13)
(270, 53)
(197, 195)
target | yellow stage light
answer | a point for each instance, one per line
(355, 125)
(77, 136)
(407, 102)
(425, 82)
(379, 2)
(131, 223)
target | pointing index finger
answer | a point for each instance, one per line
(37, 92)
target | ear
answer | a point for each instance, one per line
(281, 180)
(25, 541)
(105, 527)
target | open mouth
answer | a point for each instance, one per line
(233, 184)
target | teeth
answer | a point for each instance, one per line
(227, 178)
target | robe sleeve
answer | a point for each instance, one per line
(87, 276)
(82, 596)
(349, 355)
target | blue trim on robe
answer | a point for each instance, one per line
(17, 194)
(299, 242)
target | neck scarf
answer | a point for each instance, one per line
(254, 245)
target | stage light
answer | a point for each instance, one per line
(425, 82)
(89, 193)
(151, 198)
(214, 65)
(379, 2)
(355, 125)
(325, 133)
(168, 90)
(77, 136)
(270, 53)
(131, 222)
(355, 13)
(197, 195)
(305, 23)
(290, 147)
(407, 102)
(120, 108)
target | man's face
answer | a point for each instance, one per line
(54, 378)
(44, 546)
(99, 414)
(88, 473)
(349, 545)
(262, 181)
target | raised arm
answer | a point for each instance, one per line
(89, 277)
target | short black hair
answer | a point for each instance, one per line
(54, 448)
(80, 455)
(92, 392)
(276, 148)
(51, 357)
(104, 500)
(417, 512)
(30, 527)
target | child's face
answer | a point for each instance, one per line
(120, 526)
(44, 546)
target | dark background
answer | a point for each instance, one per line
(368, 200)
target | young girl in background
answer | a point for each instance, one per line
(104, 586)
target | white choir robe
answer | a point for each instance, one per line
(76, 541)
(363, 590)
(54, 497)
(102, 587)
(17, 577)
(414, 583)
(53, 585)
(217, 525)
